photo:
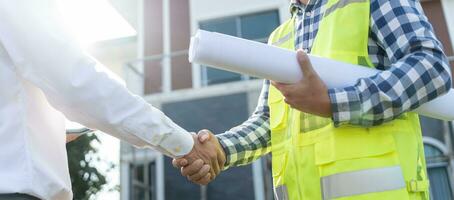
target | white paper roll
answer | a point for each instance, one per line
(265, 61)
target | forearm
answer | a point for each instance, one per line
(45, 55)
(416, 70)
(384, 97)
(246, 143)
(250, 140)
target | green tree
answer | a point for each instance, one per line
(86, 179)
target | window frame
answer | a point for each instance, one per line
(445, 152)
(149, 185)
(203, 72)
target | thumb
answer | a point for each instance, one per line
(305, 63)
(204, 136)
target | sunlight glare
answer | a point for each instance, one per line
(94, 20)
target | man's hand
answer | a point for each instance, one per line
(71, 137)
(309, 95)
(205, 161)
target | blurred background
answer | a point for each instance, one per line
(146, 41)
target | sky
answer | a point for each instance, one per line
(92, 21)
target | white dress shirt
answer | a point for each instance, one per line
(44, 75)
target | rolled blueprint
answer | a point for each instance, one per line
(265, 61)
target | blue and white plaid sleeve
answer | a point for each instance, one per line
(419, 71)
(252, 139)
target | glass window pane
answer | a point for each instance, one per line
(139, 173)
(440, 186)
(216, 76)
(226, 26)
(431, 151)
(139, 193)
(259, 26)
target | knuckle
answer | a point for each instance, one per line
(203, 131)
(193, 178)
(304, 58)
(201, 173)
(285, 93)
(188, 171)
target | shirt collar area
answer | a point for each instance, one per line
(296, 6)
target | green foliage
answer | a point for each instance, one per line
(86, 179)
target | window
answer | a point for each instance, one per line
(143, 184)
(257, 26)
(438, 170)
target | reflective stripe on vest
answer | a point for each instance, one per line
(340, 4)
(362, 182)
(283, 40)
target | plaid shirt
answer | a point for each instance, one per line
(401, 43)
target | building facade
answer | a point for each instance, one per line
(197, 97)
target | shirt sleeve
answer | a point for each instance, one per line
(419, 71)
(252, 139)
(77, 85)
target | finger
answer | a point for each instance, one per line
(285, 89)
(175, 163)
(212, 172)
(179, 162)
(205, 180)
(201, 174)
(305, 63)
(192, 168)
(279, 85)
(71, 137)
(215, 166)
(287, 101)
(221, 160)
(204, 135)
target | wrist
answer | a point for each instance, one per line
(345, 105)
(223, 157)
(225, 151)
(326, 104)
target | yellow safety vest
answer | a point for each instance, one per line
(348, 162)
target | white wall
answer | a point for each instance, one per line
(448, 7)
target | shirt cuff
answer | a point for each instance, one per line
(178, 142)
(345, 105)
(229, 150)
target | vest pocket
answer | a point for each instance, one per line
(278, 110)
(365, 152)
(353, 143)
(279, 160)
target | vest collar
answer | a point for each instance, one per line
(296, 6)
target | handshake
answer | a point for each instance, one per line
(205, 161)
